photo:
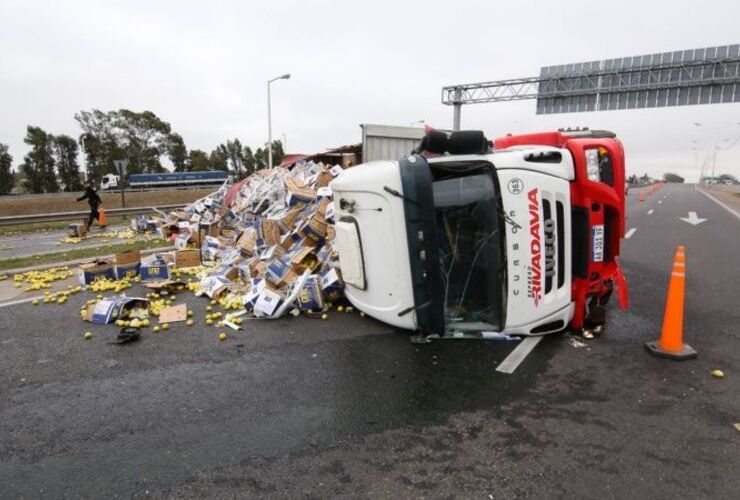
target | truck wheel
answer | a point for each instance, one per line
(467, 142)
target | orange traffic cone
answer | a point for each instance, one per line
(671, 343)
(642, 195)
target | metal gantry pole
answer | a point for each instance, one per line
(457, 109)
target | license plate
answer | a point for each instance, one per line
(597, 243)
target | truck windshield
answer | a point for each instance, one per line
(470, 237)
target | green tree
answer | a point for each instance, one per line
(261, 156)
(99, 143)
(217, 160)
(144, 137)
(7, 179)
(236, 157)
(197, 160)
(727, 178)
(38, 164)
(65, 157)
(177, 152)
(671, 177)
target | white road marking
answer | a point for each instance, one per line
(692, 219)
(660, 201)
(630, 233)
(515, 357)
(650, 211)
(21, 301)
(731, 210)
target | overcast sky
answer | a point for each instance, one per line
(202, 66)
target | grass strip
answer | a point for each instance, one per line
(80, 253)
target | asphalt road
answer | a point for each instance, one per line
(349, 408)
(21, 245)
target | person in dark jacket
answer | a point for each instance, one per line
(93, 200)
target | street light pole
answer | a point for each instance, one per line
(269, 116)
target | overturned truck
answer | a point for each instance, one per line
(469, 238)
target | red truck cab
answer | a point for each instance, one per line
(598, 216)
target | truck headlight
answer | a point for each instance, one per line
(592, 165)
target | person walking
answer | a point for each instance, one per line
(94, 201)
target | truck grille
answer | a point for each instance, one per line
(553, 215)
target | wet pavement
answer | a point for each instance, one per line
(350, 408)
(21, 245)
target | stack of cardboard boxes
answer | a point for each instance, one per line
(267, 239)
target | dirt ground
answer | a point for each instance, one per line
(730, 195)
(11, 205)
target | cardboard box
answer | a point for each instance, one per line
(269, 230)
(154, 268)
(298, 194)
(324, 178)
(127, 264)
(77, 230)
(250, 298)
(279, 271)
(247, 242)
(108, 310)
(309, 296)
(258, 268)
(303, 258)
(168, 285)
(214, 286)
(288, 219)
(91, 271)
(315, 228)
(268, 302)
(332, 284)
(187, 258)
(173, 314)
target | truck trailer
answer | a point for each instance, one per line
(205, 178)
(470, 238)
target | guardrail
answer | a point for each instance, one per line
(32, 218)
(113, 192)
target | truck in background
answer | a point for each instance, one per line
(471, 238)
(205, 178)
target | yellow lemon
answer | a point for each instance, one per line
(88, 335)
(222, 336)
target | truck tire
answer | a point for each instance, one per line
(434, 141)
(468, 142)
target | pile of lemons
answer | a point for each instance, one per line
(39, 280)
(231, 302)
(177, 273)
(123, 234)
(103, 284)
(60, 297)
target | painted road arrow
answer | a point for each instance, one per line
(692, 219)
